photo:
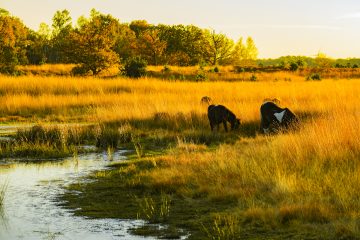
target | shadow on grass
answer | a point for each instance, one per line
(163, 130)
(307, 115)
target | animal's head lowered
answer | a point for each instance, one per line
(274, 100)
(236, 124)
(206, 100)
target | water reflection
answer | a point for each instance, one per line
(30, 207)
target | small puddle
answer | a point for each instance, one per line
(31, 209)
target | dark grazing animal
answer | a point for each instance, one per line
(218, 114)
(274, 118)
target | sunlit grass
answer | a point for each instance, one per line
(286, 181)
(92, 99)
(308, 176)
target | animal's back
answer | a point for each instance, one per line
(217, 113)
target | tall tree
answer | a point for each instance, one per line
(220, 48)
(13, 42)
(323, 61)
(4, 12)
(93, 43)
(39, 47)
(244, 54)
(61, 22)
(139, 26)
(62, 27)
(151, 46)
(186, 45)
(251, 49)
(238, 53)
(126, 45)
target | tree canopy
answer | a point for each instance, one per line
(13, 42)
(100, 41)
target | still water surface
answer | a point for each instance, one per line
(31, 209)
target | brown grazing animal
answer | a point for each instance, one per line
(218, 114)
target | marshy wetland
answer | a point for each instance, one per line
(195, 183)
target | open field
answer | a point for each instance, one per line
(302, 184)
(95, 99)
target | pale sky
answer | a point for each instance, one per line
(278, 27)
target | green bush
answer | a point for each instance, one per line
(201, 77)
(294, 66)
(135, 67)
(80, 70)
(253, 78)
(314, 76)
(166, 69)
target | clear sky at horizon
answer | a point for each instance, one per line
(279, 27)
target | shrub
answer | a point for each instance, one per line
(216, 69)
(134, 67)
(80, 70)
(201, 77)
(166, 69)
(294, 66)
(314, 76)
(239, 69)
(253, 78)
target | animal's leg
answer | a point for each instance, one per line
(264, 125)
(225, 126)
(212, 127)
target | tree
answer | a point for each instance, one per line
(61, 22)
(93, 43)
(13, 41)
(4, 12)
(62, 28)
(238, 53)
(186, 45)
(244, 54)
(139, 26)
(220, 48)
(126, 45)
(39, 48)
(323, 61)
(82, 21)
(251, 49)
(151, 46)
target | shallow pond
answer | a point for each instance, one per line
(31, 209)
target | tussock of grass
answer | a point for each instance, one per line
(43, 142)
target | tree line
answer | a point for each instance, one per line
(100, 41)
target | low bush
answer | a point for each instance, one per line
(134, 67)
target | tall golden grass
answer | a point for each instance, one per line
(121, 99)
(310, 176)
